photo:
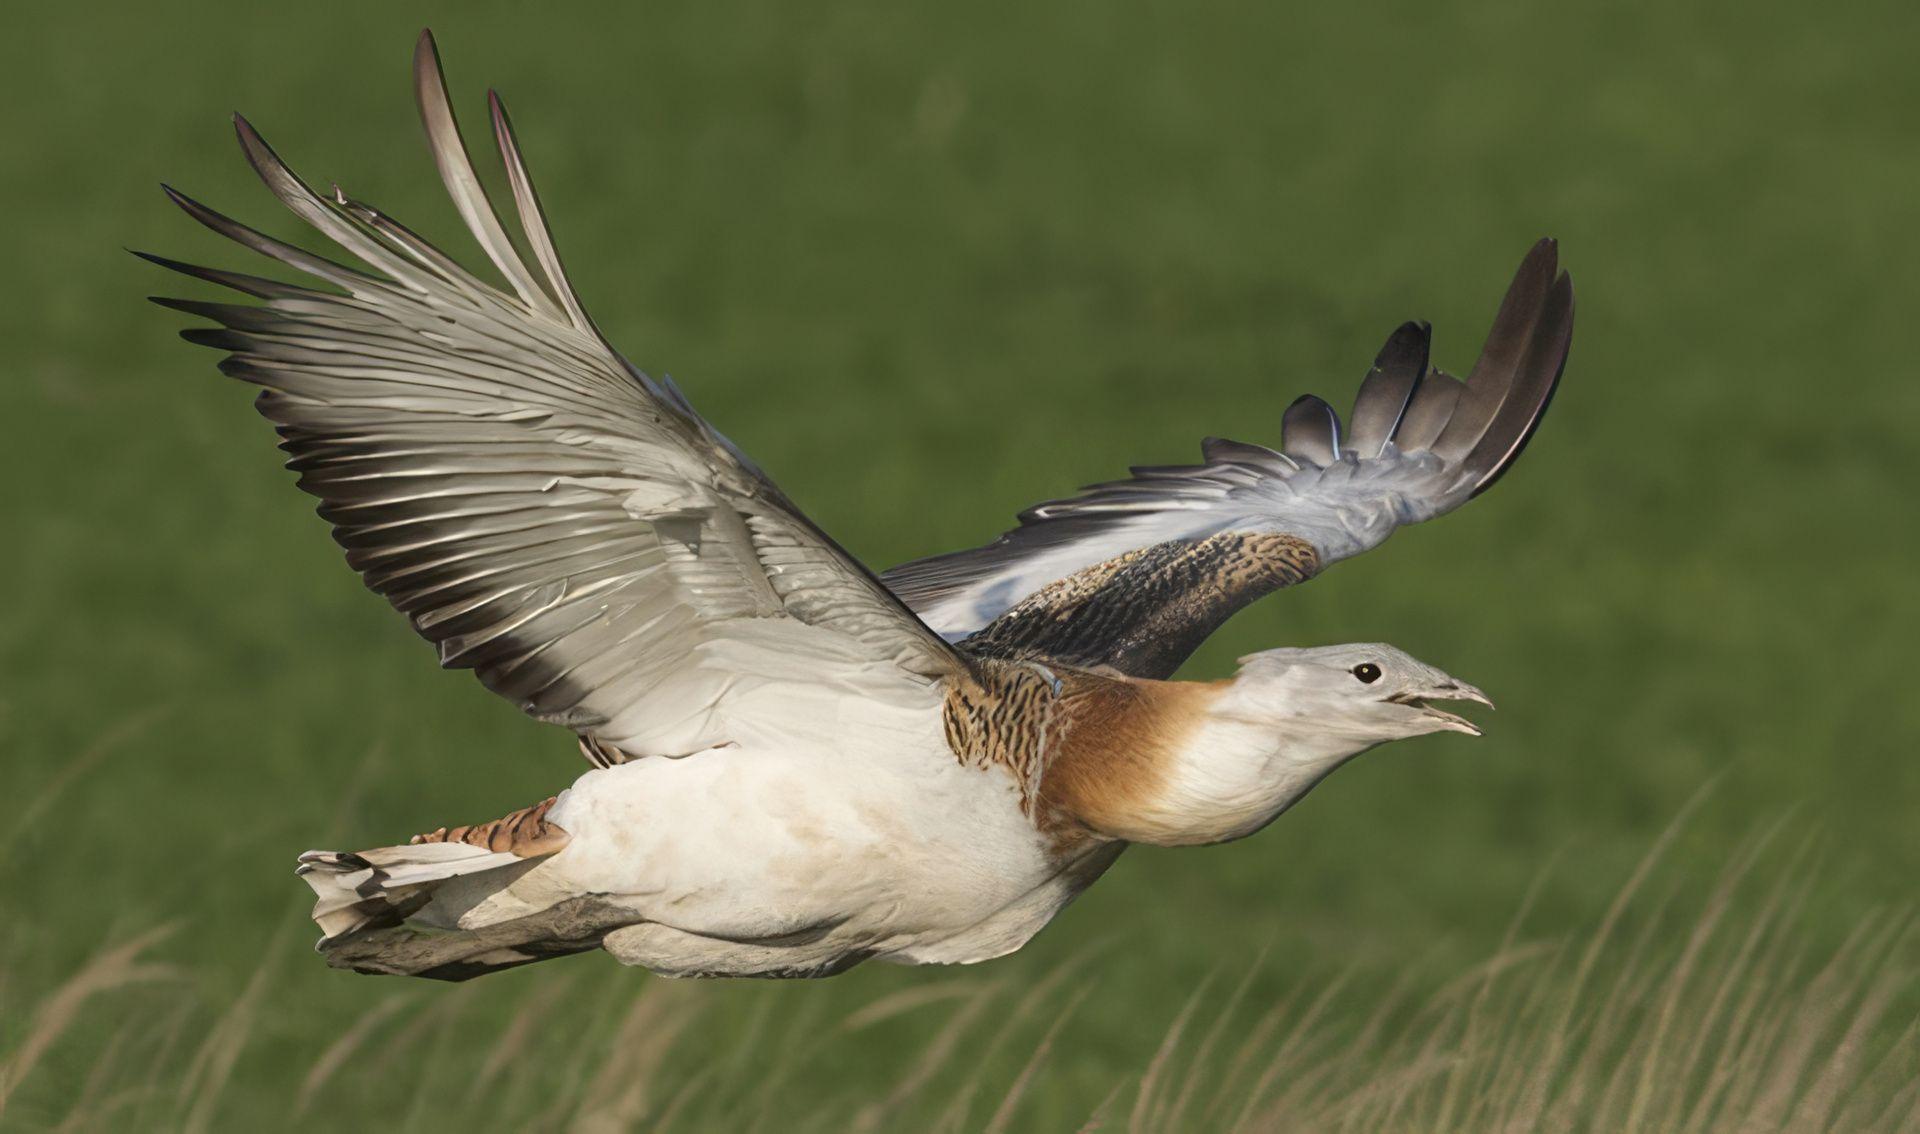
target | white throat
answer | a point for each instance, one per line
(1234, 776)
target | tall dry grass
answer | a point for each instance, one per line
(1700, 1017)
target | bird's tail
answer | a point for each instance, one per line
(374, 889)
(375, 906)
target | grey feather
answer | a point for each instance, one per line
(339, 275)
(463, 184)
(1310, 431)
(540, 510)
(1428, 412)
(1534, 383)
(1393, 470)
(258, 286)
(1507, 347)
(1221, 451)
(1388, 388)
(533, 221)
(317, 211)
(403, 240)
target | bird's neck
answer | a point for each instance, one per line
(1159, 762)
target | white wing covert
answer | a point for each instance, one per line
(538, 508)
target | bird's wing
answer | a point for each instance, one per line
(539, 509)
(1134, 574)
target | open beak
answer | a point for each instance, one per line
(1447, 691)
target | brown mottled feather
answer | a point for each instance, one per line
(1144, 612)
(1084, 749)
(1000, 718)
(525, 832)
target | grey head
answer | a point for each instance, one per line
(1363, 693)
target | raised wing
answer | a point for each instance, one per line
(1134, 574)
(539, 509)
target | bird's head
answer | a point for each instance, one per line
(1209, 762)
(1363, 695)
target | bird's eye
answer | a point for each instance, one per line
(1367, 672)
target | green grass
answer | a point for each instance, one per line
(1707, 1019)
(930, 263)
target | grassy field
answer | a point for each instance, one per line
(930, 263)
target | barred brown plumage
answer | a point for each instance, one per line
(1000, 718)
(525, 832)
(1080, 747)
(1143, 612)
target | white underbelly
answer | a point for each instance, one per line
(842, 851)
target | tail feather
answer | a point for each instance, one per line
(379, 888)
(373, 906)
(567, 927)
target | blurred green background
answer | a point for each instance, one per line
(930, 263)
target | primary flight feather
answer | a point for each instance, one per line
(798, 765)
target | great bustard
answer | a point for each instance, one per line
(798, 765)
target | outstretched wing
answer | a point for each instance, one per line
(1134, 574)
(539, 509)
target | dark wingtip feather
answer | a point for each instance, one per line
(533, 221)
(217, 221)
(1223, 450)
(252, 143)
(1490, 384)
(266, 163)
(1389, 388)
(1310, 430)
(338, 275)
(1427, 413)
(1539, 379)
(190, 306)
(257, 286)
(426, 55)
(450, 156)
(218, 338)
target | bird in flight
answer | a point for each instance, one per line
(798, 765)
